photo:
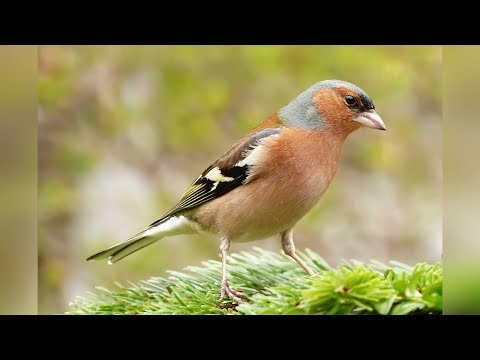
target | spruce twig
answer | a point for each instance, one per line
(277, 285)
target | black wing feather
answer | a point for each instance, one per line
(204, 189)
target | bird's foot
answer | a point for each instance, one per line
(232, 294)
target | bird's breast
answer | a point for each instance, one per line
(289, 179)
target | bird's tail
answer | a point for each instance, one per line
(172, 225)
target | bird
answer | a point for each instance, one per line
(269, 179)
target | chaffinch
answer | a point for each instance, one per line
(269, 179)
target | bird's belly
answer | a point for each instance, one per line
(286, 183)
(262, 208)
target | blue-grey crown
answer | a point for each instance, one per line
(301, 111)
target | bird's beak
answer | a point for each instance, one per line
(371, 119)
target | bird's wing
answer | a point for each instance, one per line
(227, 173)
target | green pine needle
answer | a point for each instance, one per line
(277, 285)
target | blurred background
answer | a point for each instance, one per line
(124, 130)
(18, 179)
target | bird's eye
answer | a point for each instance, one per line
(350, 100)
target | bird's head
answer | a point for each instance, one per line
(332, 104)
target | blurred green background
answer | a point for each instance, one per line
(123, 131)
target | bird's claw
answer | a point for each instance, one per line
(235, 295)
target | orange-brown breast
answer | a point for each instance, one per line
(294, 171)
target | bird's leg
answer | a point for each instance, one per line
(289, 249)
(225, 288)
